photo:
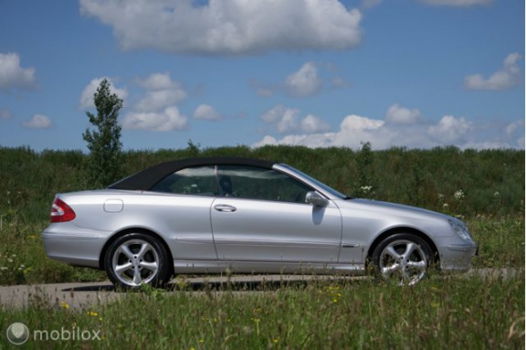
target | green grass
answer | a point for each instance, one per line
(438, 313)
(491, 181)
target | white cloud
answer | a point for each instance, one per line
(304, 82)
(312, 124)
(285, 119)
(158, 81)
(159, 99)
(157, 110)
(228, 26)
(12, 75)
(38, 121)
(162, 92)
(5, 114)
(86, 97)
(168, 119)
(402, 115)
(449, 130)
(206, 112)
(506, 77)
(513, 127)
(459, 3)
(355, 122)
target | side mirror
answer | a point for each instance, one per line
(316, 199)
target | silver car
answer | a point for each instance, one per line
(207, 215)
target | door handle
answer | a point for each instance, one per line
(225, 208)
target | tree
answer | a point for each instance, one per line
(104, 161)
(364, 161)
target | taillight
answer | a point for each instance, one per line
(61, 212)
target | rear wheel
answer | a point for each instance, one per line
(137, 259)
(404, 258)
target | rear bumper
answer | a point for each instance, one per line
(81, 249)
(457, 257)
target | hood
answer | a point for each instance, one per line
(392, 208)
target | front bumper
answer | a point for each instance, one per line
(457, 257)
(81, 249)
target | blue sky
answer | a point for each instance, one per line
(415, 73)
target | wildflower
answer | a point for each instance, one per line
(92, 313)
(445, 205)
(3, 268)
(366, 189)
(201, 341)
(275, 340)
(440, 196)
(64, 305)
(9, 260)
(459, 195)
(496, 194)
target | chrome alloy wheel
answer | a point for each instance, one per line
(135, 262)
(403, 260)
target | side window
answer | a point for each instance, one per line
(258, 183)
(200, 181)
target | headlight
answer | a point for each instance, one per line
(460, 229)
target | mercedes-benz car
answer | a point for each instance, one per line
(209, 215)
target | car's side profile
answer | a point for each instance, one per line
(206, 215)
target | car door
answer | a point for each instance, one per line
(183, 205)
(261, 215)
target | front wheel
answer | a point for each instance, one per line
(403, 257)
(137, 259)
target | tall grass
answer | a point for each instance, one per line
(436, 314)
(488, 182)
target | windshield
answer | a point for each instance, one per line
(320, 184)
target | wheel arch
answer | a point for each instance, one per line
(127, 230)
(403, 229)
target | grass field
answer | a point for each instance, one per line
(438, 313)
(485, 188)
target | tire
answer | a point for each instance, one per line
(404, 258)
(141, 259)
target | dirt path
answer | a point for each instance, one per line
(85, 295)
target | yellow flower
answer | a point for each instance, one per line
(275, 340)
(201, 341)
(92, 313)
(64, 305)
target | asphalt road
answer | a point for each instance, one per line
(86, 295)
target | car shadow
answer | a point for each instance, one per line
(228, 285)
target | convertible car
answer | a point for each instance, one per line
(207, 215)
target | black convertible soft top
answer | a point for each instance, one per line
(145, 179)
